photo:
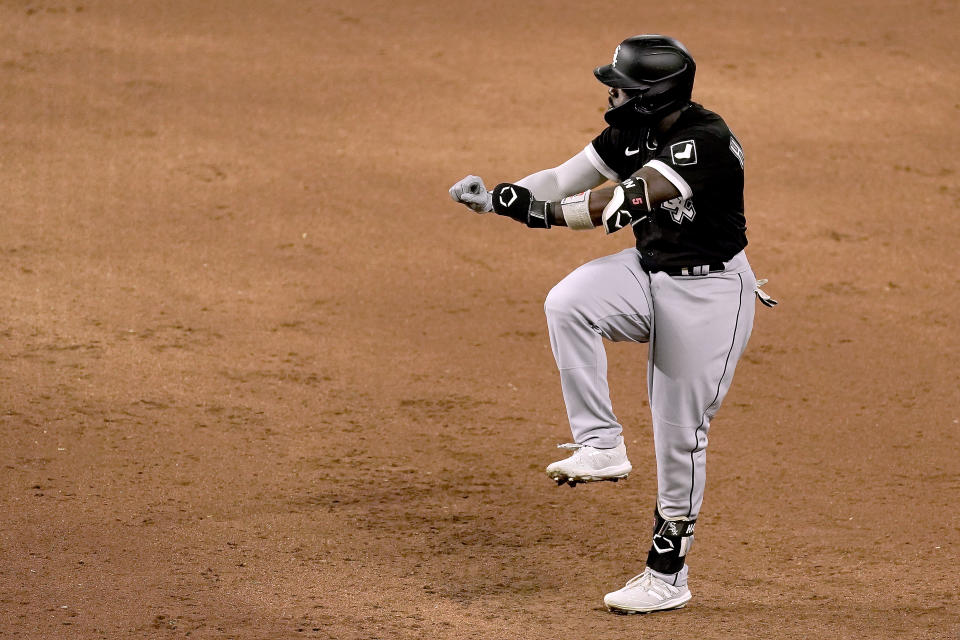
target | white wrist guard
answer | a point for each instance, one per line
(576, 211)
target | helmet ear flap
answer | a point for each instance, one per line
(631, 114)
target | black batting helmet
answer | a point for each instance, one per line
(656, 71)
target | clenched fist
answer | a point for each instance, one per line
(471, 193)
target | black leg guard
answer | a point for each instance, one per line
(672, 540)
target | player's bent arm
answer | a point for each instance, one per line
(658, 190)
(628, 203)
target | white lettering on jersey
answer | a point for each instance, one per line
(737, 150)
(680, 209)
(683, 153)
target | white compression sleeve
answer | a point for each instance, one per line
(573, 176)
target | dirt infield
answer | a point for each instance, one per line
(260, 378)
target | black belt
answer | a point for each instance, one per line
(699, 270)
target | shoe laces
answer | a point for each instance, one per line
(579, 450)
(652, 584)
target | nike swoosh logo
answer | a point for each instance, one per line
(685, 154)
(631, 152)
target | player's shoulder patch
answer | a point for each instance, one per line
(683, 153)
(736, 149)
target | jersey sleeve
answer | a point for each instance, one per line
(602, 153)
(697, 160)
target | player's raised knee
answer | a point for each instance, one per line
(562, 299)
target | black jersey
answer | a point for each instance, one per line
(704, 161)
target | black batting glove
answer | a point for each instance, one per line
(517, 202)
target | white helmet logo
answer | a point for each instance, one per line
(615, 54)
(513, 196)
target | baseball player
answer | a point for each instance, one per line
(686, 288)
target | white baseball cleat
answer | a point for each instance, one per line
(589, 464)
(645, 593)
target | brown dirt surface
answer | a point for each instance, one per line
(261, 378)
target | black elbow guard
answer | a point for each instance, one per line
(630, 204)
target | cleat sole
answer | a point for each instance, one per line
(642, 612)
(575, 480)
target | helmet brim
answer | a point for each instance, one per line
(609, 76)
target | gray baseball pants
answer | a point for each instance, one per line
(697, 328)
